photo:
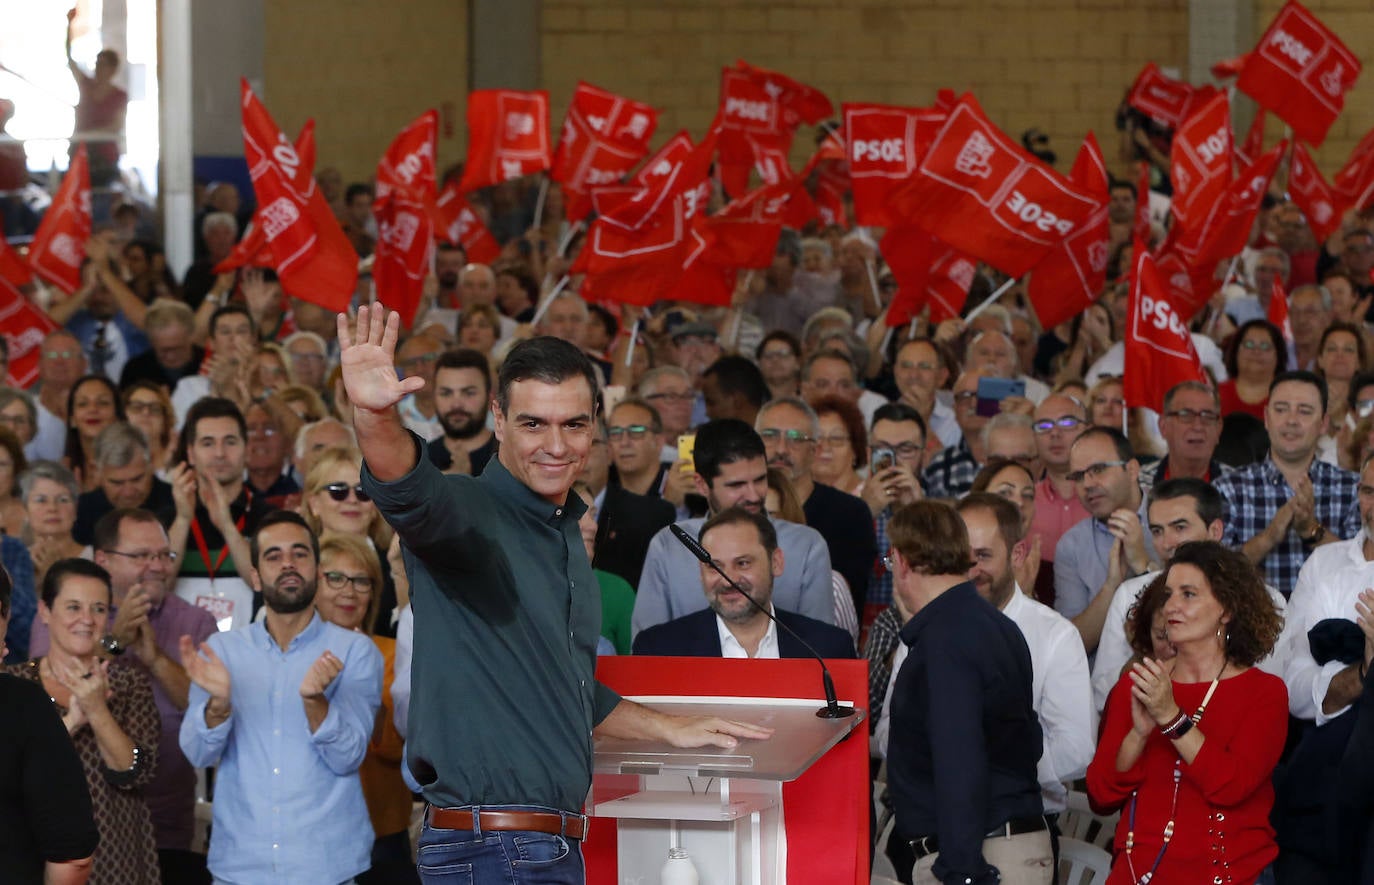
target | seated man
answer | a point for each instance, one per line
(127, 479)
(745, 545)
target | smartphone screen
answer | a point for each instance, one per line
(991, 392)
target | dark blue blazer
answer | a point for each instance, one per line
(696, 636)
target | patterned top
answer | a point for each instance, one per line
(127, 854)
(950, 474)
(1254, 493)
(883, 639)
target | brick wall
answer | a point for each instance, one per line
(363, 70)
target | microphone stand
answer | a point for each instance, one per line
(832, 708)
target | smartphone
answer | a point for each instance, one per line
(882, 460)
(991, 392)
(686, 446)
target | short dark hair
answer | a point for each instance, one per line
(225, 310)
(356, 188)
(526, 281)
(105, 534)
(931, 538)
(737, 375)
(1275, 338)
(984, 477)
(1118, 440)
(724, 441)
(1207, 500)
(596, 314)
(768, 536)
(785, 337)
(1302, 376)
(899, 413)
(207, 407)
(72, 567)
(1237, 586)
(548, 360)
(465, 358)
(282, 517)
(1006, 513)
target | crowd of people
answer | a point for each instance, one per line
(220, 505)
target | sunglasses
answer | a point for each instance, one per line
(339, 491)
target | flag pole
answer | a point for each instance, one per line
(567, 239)
(996, 293)
(887, 339)
(548, 299)
(539, 203)
(873, 283)
(634, 336)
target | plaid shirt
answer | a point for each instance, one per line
(950, 474)
(883, 638)
(1255, 493)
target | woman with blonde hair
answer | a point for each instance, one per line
(149, 408)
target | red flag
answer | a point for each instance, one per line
(636, 265)
(1073, 274)
(24, 327)
(1159, 350)
(1253, 146)
(252, 249)
(1141, 229)
(405, 226)
(797, 102)
(886, 145)
(314, 259)
(1278, 310)
(508, 136)
(928, 273)
(59, 246)
(1162, 98)
(636, 206)
(1200, 160)
(745, 233)
(828, 170)
(703, 280)
(984, 195)
(1312, 194)
(1225, 230)
(1301, 71)
(1228, 68)
(12, 268)
(1188, 288)
(1355, 181)
(759, 112)
(457, 223)
(667, 158)
(604, 135)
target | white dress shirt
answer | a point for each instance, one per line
(730, 646)
(1114, 649)
(1328, 587)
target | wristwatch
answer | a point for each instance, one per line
(111, 644)
(1316, 535)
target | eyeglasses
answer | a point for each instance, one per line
(787, 437)
(777, 355)
(1067, 422)
(146, 557)
(137, 407)
(307, 357)
(417, 361)
(261, 430)
(338, 580)
(15, 420)
(339, 491)
(1094, 470)
(671, 397)
(41, 500)
(834, 440)
(1188, 416)
(1365, 407)
(633, 431)
(1257, 344)
(901, 450)
(61, 354)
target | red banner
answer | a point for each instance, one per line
(1200, 160)
(402, 206)
(508, 136)
(745, 233)
(1141, 229)
(759, 112)
(982, 194)
(885, 147)
(1188, 288)
(1312, 194)
(59, 246)
(1225, 230)
(928, 273)
(1301, 71)
(1250, 149)
(1159, 350)
(314, 259)
(12, 268)
(1072, 276)
(251, 249)
(636, 265)
(1355, 181)
(1228, 68)
(457, 223)
(1164, 99)
(604, 135)
(1278, 310)
(25, 327)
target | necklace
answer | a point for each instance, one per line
(1173, 803)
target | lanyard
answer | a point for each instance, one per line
(223, 551)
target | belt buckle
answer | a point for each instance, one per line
(921, 847)
(585, 819)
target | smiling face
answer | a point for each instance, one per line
(349, 516)
(991, 572)
(93, 408)
(545, 434)
(1255, 357)
(76, 619)
(739, 484)
(344, 605)
(1014, 484)
(1294, 420)
(738, 550)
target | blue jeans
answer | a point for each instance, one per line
(469, 857)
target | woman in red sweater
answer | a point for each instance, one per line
(1189, 744)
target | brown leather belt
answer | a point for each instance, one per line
(571, 826)
(1017, 826)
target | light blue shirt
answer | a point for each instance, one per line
(289, 806)
(1082, 558)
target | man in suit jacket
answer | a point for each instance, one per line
(745, 545)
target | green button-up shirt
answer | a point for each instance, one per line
(507, 614)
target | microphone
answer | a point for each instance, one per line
(832, 708)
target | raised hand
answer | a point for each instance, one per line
(320, 675)
(183, 482)
(369, 363)
(205, 669)
(1153, 687)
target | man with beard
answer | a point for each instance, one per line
(732, 471)
(462, 391)
(285, 709)
(745, 544)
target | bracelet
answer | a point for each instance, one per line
(1167, 730)
(126, 777)
(1183, 728)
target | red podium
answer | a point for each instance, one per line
(807, 788)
